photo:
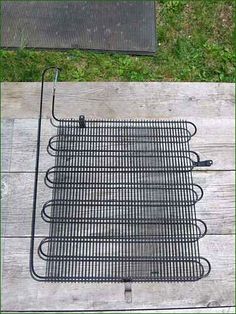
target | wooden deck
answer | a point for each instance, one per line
(210, 106)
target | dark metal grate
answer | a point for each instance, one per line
(115, 26)
(123, 202)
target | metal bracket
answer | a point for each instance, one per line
(82, 123)
(128, 291)
(204, 163)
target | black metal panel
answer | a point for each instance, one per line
(127, 26)
(122, 204)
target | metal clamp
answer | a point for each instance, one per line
(204, 163)
(82, 123)
(128, 290)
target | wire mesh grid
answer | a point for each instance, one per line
(123, 203)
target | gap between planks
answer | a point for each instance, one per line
(222, 309)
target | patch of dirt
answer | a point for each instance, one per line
(226, 16)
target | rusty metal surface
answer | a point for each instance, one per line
(127, 26)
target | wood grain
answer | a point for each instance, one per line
(6, 143)
(121, 100)
(21, 292)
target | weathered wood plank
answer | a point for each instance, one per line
(122, 100)
(5, 195)
(6, 143)
(216, 207)
(21, 292)
(214, 140)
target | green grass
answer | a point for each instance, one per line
(195, 43)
